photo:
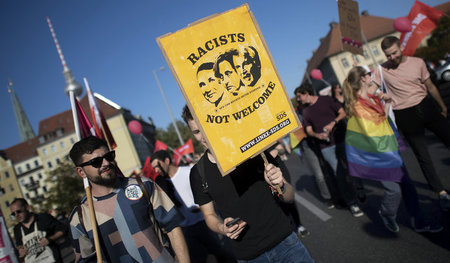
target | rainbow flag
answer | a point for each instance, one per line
(371, 145)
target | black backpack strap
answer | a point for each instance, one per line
(144, 190)
(80, 217)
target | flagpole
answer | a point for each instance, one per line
(74, 89)
(167, 106)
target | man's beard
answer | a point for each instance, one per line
(108, 181)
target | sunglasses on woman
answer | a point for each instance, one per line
(98, 161)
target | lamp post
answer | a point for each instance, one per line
(167, 105)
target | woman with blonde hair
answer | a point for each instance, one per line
(372, 149)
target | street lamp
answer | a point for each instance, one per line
(167, 105)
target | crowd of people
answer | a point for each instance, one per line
(190, 212)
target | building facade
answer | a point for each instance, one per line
(25, 167)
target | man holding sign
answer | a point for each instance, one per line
(253, 219)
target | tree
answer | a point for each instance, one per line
(438, 43)
(170, 137)
(67, 189)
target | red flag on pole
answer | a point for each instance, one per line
(148, 170)
(423, 19)
(184, 149)
(159, 145)
(101, 127)
(86, 128)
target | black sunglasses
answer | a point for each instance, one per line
(97, 161)
(16, 212)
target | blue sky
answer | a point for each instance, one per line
(112, 44)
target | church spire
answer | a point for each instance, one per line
(25, 129)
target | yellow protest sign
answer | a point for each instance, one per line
(227, 76)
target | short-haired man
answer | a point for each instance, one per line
(210, 86)
(225, 69)
(126, 232)
(36, 234)
(408, 82)
(200, 240)
(263, 232)
(321, 117)
(248, 65)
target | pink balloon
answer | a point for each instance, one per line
(316, 74)
(402, 24)
(135, 127)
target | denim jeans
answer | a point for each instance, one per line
(290, 250)
(335, 156)
(393, 193)
(314, 164)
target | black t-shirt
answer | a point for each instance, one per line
(45, 222)
(244, 193)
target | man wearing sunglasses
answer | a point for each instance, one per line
(35, 234)
(122, 211)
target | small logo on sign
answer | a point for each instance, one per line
(133, 192)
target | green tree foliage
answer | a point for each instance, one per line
(438, 43)
(67, 189)
(169, 136)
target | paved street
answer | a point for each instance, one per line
(336, 236)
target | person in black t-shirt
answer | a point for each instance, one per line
(36, 234)
(263, 232)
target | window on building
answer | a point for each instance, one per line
(7, 203)
(11, 188)
(39, 176)
(19, 170)
(36, 163)
(44, 189)
(6, 174)
(58, 161)
(62, 144)
(53, 147)
(27, 195)
(375, 51)
(28, 166)
(72, 141)
(22, 182)
(44, 151)
(355, 57)
(345, 63)
(366, 55)
(49, 164)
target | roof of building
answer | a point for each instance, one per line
(65, 119)
(22, 151)
(27, 149)
(372, 26)
(331, 44)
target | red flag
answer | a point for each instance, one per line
(101, 127)
(423, 19)
(148, 170)
(86, 128)
(159, 145)
(184, 149)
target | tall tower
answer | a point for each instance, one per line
(25, 129)
(71, 84)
